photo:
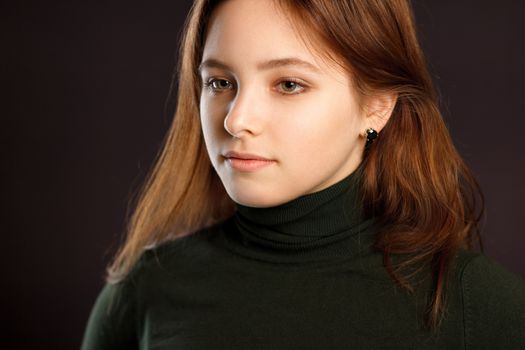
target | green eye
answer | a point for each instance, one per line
(289, 87)
(216, 84)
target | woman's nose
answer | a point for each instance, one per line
(244, 115)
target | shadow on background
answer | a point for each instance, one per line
(86, 108)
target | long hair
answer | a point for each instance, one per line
(414, 180)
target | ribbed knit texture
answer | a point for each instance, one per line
(321, 226)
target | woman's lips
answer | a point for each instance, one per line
(239, 155)
(248, 164)
(246, 161)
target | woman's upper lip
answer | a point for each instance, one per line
(233, 154)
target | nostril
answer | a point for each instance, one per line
(227, 129)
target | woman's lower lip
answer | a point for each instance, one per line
(248, 164)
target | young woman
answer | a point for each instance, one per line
(308, 196)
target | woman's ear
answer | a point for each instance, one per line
(378, 109)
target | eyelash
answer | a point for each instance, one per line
(209, 85)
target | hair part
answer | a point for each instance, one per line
(414, 180)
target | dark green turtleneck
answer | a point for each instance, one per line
(325, 226)
(301, 275)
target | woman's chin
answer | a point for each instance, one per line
(254, 198)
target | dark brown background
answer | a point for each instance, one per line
(85, 91)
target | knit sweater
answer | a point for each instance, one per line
(301, 275)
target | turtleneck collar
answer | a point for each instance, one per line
(321, 226)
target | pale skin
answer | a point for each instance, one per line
(307, 120)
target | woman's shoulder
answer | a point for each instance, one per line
(116, 317)
(183, 252)
(483, 276)
(493, 302)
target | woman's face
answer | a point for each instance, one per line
(303, 117)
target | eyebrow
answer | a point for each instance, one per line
(266, 65)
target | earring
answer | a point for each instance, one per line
(371, 135)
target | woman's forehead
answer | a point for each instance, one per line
(250, 24)
(257, 32)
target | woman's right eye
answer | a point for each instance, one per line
(217, 85)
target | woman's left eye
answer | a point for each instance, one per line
(290, 86)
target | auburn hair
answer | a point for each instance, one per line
(414, 180)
